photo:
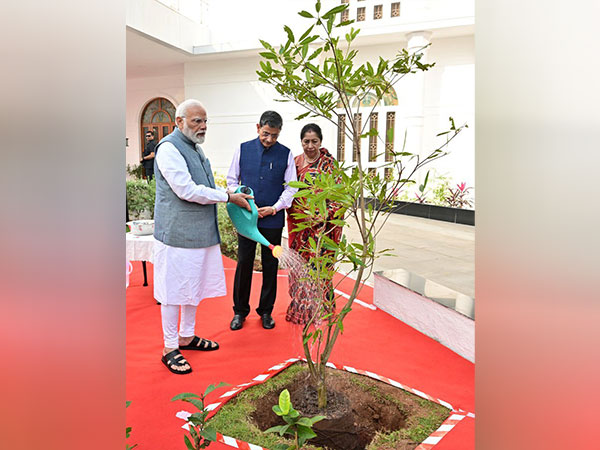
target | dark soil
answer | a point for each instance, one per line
(357, 408)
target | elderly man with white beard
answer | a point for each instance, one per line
(187, 258)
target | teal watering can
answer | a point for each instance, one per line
(246, 221)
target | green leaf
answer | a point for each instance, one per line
(318, 6)
(300, 117)
(288, 30)
(268, 55)
(197, 403)
(209, 433)
(316, 53)
(306, 33)
(212, 387)
(356, 261)
(371, 132)
(184, 396)
(305, 421)
(334, 11)
(285, 429)
(284, 401)
(340, 325)
(266, 45)
(188, 444)
(195, 420)
(306, 14)
(277, 410)
(289, 420)
(308, 40)
(344, 23)
(304, 50)
(298, 184)
(202, 414)
(276, 429)
(390, 135)
(305, 433)
(317, 419)
(330, 22)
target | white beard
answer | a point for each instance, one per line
(190, 135)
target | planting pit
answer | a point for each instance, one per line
(362, 413)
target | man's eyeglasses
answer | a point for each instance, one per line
(149, 136)
(198, 121)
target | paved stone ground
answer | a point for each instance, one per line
(443, 252)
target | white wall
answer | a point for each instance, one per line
(165, 24)
(232, 22)
(450, 91)
(140, 91)
(442, 323)
(235, 99)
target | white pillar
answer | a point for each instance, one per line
(415, 98)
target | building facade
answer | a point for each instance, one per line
(209, 50)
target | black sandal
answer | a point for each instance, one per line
(175, 359)
(201, 344)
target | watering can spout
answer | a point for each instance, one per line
(246, 222)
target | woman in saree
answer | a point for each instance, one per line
(314, 160)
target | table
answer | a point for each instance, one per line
(140, 248)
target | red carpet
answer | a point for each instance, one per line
(373, 341)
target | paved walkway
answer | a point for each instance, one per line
(443, 252)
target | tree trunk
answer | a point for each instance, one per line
(322, 394)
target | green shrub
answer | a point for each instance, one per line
(140, 198)
(220, 180)
(135, 171)
(228, 233)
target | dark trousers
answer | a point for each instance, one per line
(149, 174)
(243, 273)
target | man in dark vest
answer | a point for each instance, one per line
(264, 165)
(148, 155)
(188, 266)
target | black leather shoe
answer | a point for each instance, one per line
(237, 323)
(267, 321)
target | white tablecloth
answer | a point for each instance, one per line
(140, 248)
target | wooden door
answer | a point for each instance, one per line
(159, 116)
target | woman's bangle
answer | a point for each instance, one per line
(228, 196)
(274, 210)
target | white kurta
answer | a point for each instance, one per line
(185, 276)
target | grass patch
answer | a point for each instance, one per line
(417, 428)
(368, 386)
(233, 417)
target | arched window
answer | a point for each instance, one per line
(158, 115)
